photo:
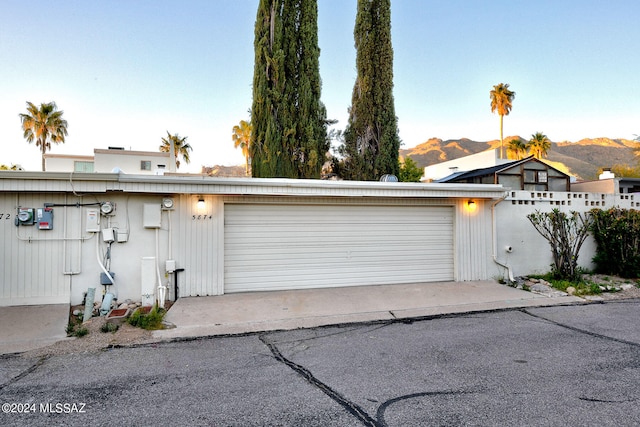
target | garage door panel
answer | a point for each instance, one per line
(305, 246)
(283, 238)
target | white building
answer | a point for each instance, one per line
(113, 159)
(63, 233)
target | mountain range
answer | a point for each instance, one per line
(582, 159)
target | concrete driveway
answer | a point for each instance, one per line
(27, 327)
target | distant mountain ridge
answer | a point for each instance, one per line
(581, 159)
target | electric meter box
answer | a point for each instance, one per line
(93, 220)
(44, 218)
(25, 216)
(151, 215)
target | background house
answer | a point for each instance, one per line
(483, 159)
(526, 174)
(110, 160)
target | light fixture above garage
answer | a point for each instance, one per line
(201, 203)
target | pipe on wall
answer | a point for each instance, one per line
(494, 238)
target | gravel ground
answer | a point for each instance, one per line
(604, 280)
(95, 340)
(127, 335)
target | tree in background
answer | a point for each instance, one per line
(502, 102)
(516, 149)
(241, 136)
(623, 171)
(371, 141)
(44, 125)
(539, 145)
(180, 146)
(410, 171)
(13, 167)
(289, 135)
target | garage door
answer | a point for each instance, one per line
(270, 247)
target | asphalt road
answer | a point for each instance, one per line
(560, 366)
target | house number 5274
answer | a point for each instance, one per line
(200, 217)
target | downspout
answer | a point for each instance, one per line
(495, 237)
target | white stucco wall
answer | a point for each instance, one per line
(129, 161)
(64, 163)
(530, 252)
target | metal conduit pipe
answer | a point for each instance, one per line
(495, 238)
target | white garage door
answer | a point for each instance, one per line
(269, 247)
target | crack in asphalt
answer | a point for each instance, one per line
(589, 399)
(25, 372)
(351, 407)
(382, 408)
(582, 331)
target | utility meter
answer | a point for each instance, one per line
(107, 208)
(25, 216)
(167, 203)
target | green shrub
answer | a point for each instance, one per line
(109, 327)
(617, 235)
(80, 332)
(565, 233)
(150, 321)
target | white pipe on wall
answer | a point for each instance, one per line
(494, 238)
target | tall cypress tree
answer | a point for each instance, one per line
(289, 137)
(371, 141)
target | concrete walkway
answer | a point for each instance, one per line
(264, 311)
(24, 328)
(27, 327)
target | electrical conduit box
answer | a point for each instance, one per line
(93, 220)
(108, 235)
(151, 215)
(44, 218)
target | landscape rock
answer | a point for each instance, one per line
(571, 290)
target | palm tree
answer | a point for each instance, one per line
(516, 149)
(501, 101)
(242, 138)
(539, 145)
(43, 125)
(180, 147)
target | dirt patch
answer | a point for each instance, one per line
(628, 288)
(95, 340)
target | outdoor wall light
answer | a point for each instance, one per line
(200, 204)
(471, 205)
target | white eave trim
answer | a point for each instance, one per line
(200, 184)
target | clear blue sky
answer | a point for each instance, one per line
(125, 72)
